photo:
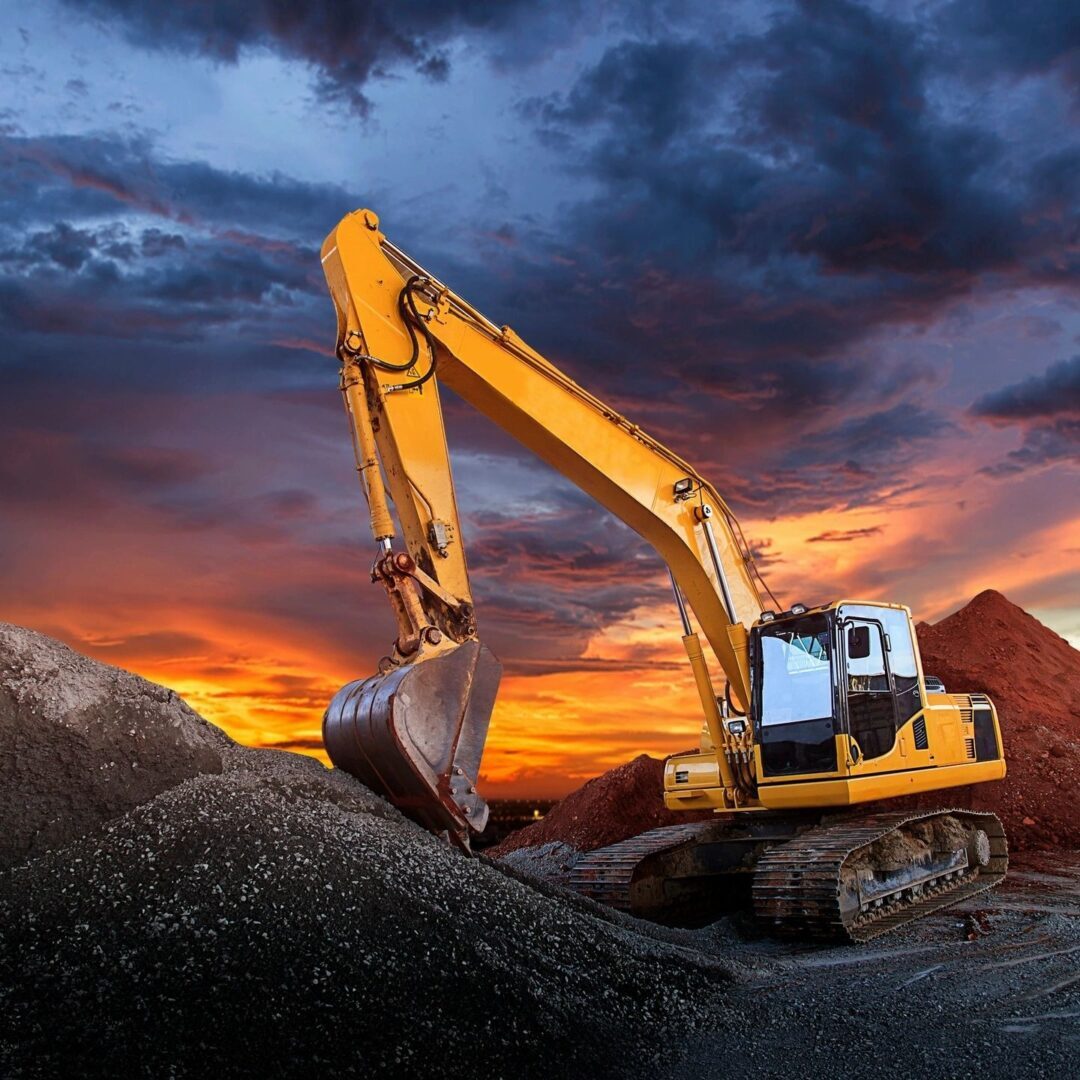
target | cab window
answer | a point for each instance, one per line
(902, 663)
(794, 699)
(797, 682)
(870, 705)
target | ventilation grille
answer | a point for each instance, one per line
(966, 712)
(919, 728)
(969, 748)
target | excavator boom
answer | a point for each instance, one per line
(401, 335)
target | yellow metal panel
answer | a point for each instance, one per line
(852, 790)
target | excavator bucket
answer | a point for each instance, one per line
(416, 735)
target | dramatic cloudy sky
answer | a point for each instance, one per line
(826, 250)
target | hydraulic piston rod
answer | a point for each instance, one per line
(367, 460)
(706, 692)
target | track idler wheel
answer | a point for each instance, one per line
(416, 735)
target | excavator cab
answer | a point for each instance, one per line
(847, 670)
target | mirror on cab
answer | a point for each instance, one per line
(858, 642)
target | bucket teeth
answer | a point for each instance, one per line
(416, 736)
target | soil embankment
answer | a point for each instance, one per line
(177, 905)
(618, 804)
(1032, 675)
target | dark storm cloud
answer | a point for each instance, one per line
(842, 182)
(648, 90)
(1049, 444)
(559, 575)
(766, 204)
(878, 435)
(42, 470)
(45, 178)
(98, 298)
(1054, 393)
(155, 645)
(104, 241)
(1027, 38)
(150, 468)
(1047, 409)
(348, 42)
(844, 536)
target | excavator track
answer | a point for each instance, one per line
(606, 874)
(800, 888)
(813, 881)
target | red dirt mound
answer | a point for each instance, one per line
(1033, 677)
(989, 646)
(613, 806)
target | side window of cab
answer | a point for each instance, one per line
(883, 682)
(905, 671)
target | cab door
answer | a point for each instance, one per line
(794, 700)
(872, 716)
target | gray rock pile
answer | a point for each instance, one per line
(236, 912)
(81, 742)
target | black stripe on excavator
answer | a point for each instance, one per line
(843, 776)
(986, 744)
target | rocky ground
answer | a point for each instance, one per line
(172, 904)
(268, 916)
(990, 988)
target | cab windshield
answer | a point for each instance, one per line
(796, 671)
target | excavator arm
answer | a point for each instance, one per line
(402, 334)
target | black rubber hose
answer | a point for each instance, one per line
(405, 300)
(406, 307)
(730, 703)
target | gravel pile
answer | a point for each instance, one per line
(275, 918)
(552, 861)
(81, 742)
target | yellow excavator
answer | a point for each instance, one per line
(823, 708)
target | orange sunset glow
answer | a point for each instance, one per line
(620, 690)
(844, 289)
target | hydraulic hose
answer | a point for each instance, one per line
(411, 318)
